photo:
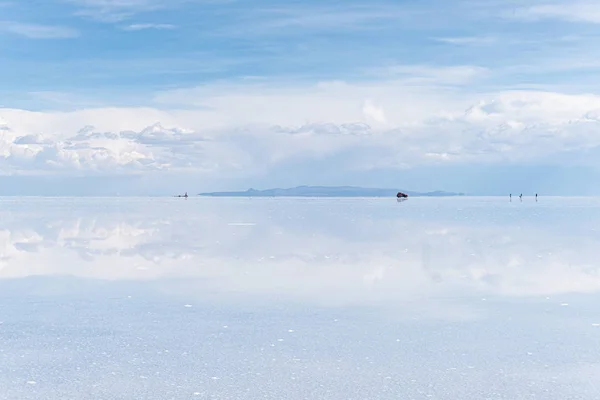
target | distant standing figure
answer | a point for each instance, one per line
(185, 195)
(510, 196)
(536, 197)
(521, 196)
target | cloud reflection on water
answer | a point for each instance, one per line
(339, 252)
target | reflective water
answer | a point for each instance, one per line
(430, 298)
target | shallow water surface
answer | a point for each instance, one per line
(429, 298)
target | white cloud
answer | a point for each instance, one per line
(64, 124)
(34, 31)
(115, 10)
(428, 75)
(86, 151)
(469, 40)
(373, 112)
(258, 101)
(140, 27)
(585, 11)
(348, 17)
(536, 107)
(256, 127)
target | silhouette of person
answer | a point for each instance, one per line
(510, 196)
(521, 197)
(185, 195)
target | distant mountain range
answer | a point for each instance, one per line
(327, 191)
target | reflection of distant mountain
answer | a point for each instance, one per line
(350, 250)
(326, 191)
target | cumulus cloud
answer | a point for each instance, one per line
(373, 112)
(261, 129)
(86, 150)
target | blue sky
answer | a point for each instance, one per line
(110, 47)
(213, 94)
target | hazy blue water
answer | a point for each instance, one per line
(430, 298)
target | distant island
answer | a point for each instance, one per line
(327, 191)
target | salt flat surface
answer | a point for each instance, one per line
(280, 298)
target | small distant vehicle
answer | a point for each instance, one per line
(401, 195)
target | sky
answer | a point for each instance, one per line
(153, 97)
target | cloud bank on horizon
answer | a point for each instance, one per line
(153, 96)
